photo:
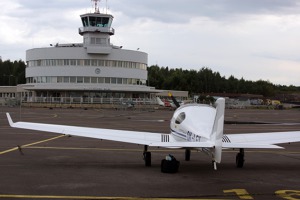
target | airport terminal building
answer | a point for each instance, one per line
(94, 68)
(94, 71)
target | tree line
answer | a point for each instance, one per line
(196, 82)
(207, 81)
(12, 72)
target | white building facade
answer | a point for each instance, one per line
(94, 68)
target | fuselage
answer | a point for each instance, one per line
(193, 123)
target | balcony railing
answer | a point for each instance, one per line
(82, 30)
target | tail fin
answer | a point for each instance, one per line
(160, 102)
(217, 132)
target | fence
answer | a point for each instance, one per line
(118, 103)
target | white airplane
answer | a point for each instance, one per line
(162, 103)
(166, 103)
(193, 126)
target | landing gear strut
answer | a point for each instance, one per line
(147, 156)
(187, 155)
(239, 161)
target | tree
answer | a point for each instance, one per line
(12, 73)
(207, 81)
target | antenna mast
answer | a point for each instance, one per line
(96, 6)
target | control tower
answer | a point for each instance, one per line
(96, 31)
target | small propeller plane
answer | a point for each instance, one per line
(193, 126)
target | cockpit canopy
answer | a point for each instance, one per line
(180, 118)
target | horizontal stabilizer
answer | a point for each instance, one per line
(250, 146)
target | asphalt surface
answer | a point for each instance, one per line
(52, 166)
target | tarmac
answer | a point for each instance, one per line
(40, 165)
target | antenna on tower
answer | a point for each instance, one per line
(106, 7)
(96, 6)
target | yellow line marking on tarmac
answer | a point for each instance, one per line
(31, 144)
(91, 197)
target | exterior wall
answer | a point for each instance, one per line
(80, 53)
(8, 91)
(137, 75)
(89, 71)
(89, 87)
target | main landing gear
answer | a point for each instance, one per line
(168, 165)
(239, 161)
(147, 156)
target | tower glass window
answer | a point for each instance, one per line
(85, 22)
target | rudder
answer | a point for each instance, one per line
(217, 132)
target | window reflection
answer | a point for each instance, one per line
(84, 79)
(87, 62)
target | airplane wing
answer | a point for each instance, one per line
(183, 144)
(135, 137)
(260, 140)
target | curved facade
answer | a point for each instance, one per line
(92, 68)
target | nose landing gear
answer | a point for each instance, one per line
(147, 156)
(187, 155)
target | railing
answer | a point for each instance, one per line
(109, 30)
(89, 100)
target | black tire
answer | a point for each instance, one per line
(147, 158)
(239, 160)
(187, 155)
(169, 166)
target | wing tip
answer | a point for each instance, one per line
(251, 146)
(10, 121)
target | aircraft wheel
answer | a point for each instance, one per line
(239, 160)
(147, 158)
(187, 155)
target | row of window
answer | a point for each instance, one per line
(96, 40)
(96, 21)
(84, 79)
(86, 62)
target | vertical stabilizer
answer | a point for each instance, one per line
(217, 132)
(160, 102)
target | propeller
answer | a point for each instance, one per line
(174, 100)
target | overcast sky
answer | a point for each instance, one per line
(253, 39)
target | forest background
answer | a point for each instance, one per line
(203, 81)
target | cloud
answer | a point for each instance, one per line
(254, 39)
(178, 11)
